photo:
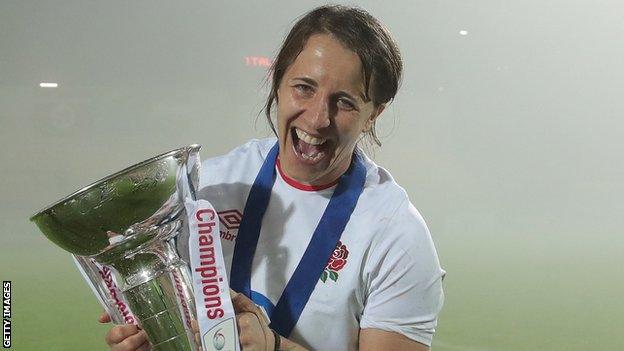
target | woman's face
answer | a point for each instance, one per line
(322, 111)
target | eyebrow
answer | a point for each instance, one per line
(344, 93)
(313, 83)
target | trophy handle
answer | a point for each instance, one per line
(193, 169)
(188, 178)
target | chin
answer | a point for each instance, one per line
(309, 159)
(303, 170)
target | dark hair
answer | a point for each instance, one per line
(357, 30)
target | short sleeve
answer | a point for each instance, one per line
(403, 279)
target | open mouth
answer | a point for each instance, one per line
(307, 147)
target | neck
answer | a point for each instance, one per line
(301, 185)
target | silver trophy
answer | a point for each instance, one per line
(128, 222)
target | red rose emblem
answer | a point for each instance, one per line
(336, 264)
(340, 251)
(338, 258)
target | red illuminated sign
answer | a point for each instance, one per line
(257, 61)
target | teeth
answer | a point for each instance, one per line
(308, 138)
(315, 157)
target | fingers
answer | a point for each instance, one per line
(233, 293)
(249, 329)
(144, 347)
(252, 334)
(119, 333)
(246, 320)
(133, 342)
(195, 327)
(198, 339)
(104, 317)
(243, 304)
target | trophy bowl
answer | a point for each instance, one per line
(129, 221)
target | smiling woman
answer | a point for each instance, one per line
(338, 67)
(328, 243)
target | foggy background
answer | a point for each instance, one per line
(507, 134)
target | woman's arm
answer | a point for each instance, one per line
(376, 339)
(370, 340)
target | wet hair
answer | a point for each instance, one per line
(358, 31)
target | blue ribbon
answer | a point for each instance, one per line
(319, 250)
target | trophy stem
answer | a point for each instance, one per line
(163, 307)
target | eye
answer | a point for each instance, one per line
(304, 89)
(345, 104)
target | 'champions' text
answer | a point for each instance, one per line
(207, 265)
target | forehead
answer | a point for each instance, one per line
(327, 61)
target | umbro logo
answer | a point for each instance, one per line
(230, 219)
(230, 222)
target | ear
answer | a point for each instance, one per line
(371, 120)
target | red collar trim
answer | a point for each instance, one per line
(305, 187)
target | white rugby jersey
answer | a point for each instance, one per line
(383, 274)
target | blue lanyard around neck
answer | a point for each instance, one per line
(319, 250)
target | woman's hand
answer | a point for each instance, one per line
(253, 329)
(126, 337)
(254, 333)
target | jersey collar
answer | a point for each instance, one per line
(297, 185)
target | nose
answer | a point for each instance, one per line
(318, 112)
